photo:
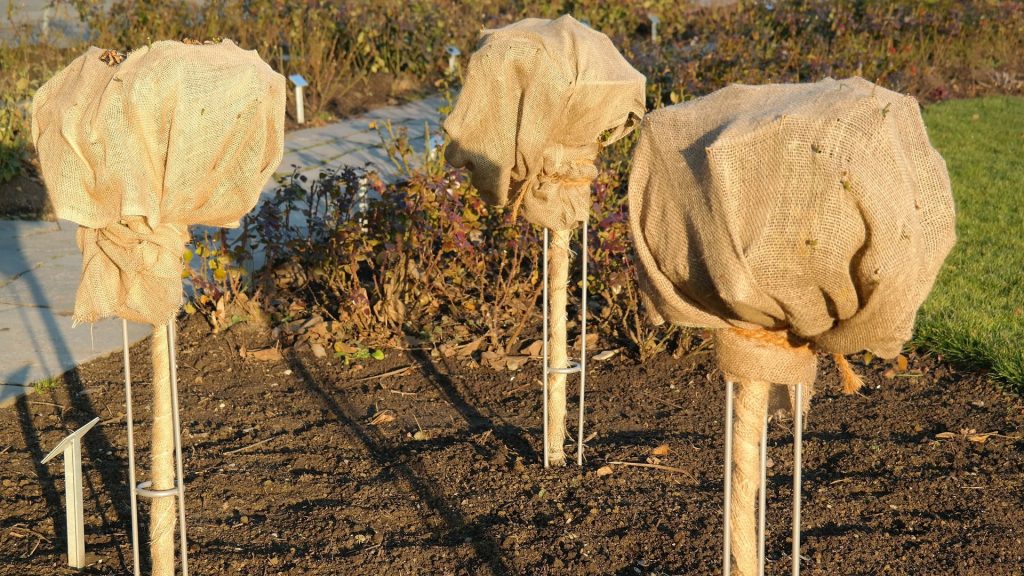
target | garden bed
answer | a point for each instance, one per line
(295, 466)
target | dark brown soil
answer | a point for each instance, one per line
(24, 198)
(286, 475)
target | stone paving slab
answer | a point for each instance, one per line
(354, 143)
(40, 263)
(45, 345)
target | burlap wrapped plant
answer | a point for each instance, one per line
(540, 99)
(538, 96)
(135, 148)
(792, 219)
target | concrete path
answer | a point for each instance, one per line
(40, 262)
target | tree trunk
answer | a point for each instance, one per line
(558, 266)
(162, 510)
(751, 411)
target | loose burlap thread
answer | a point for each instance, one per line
(136, 151)
(539, 99)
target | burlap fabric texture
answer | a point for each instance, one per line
(789, 216)
(136, 151)
(539, 96)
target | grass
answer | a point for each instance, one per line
(975, 315)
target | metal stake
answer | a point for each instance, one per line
(761, 498)
(131, 450)
(798, 439)
(727, 546)
(545, 348)
(583, 350)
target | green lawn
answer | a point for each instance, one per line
(975, 315)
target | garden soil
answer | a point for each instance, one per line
(306, 466)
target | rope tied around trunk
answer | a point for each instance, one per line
(558, 196)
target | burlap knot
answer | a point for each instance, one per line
(771, 357)
(559, 195)
(130, 270)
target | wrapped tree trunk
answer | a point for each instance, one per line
(558, 266)
(135, 148)
(162, 510)
(748, 425)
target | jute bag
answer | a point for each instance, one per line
(791, 219)
(135, 148)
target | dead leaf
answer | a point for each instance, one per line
(470, 348)
(969, 434)
(591, 341)
(533, 349)
(382, 417)
(604, 471)
(421, 435)
(605, 355)
(493, 359)
(979, 437)
(661, 450)
(901, 363)
(343, 348)
(263, 354)
(318, 350)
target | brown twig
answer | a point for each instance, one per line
(62, 407)
(655, 466)
(27, 529)
(254, 444)
(395, 372)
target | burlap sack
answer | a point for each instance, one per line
(817, 211)
(135, 152)
(538, 96)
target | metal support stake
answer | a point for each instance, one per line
(573, 367)
(583, 349)
(727, 545)
(761, 496)
(131, 450)
(798, 440)
(545, 305)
